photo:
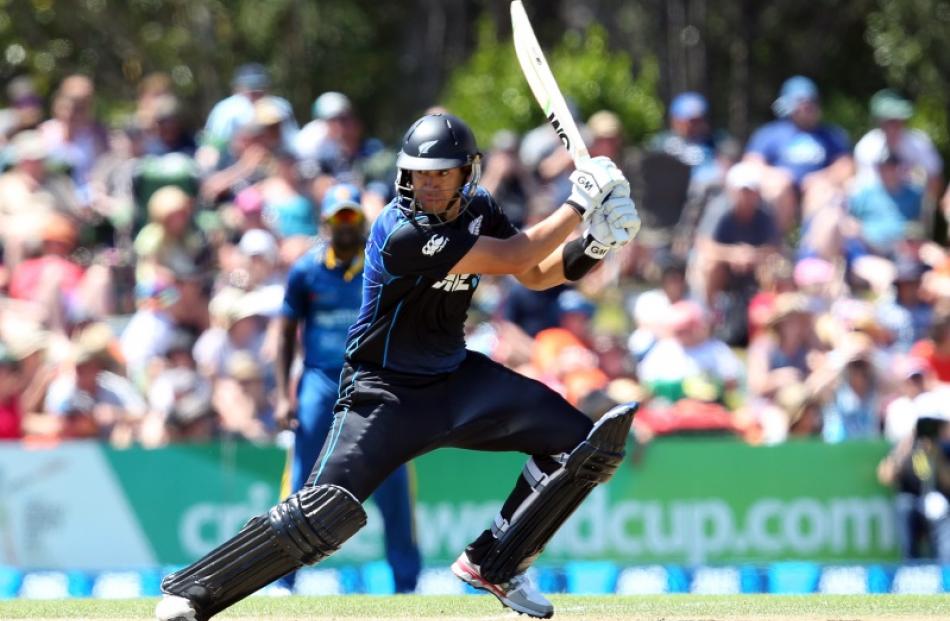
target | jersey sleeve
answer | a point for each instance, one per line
(412, 249)
(295, 296)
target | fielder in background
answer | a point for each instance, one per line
(410, 386)
(324, 291)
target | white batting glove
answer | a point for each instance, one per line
(593, 181)
(613, 225)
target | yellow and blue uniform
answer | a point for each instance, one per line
(325, 296)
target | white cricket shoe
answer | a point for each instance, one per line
(517, 593)
(175, 608)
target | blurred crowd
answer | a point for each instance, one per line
(785, 287)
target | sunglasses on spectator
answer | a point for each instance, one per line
(345, 216)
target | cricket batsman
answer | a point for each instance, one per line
(410, 386)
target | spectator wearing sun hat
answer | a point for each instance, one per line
(913, 148)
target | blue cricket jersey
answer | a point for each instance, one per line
(326, 297)
(413, 314)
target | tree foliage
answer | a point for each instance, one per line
(490, 92)
(909, 39)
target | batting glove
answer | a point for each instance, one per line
(593, 181)
(613, 225)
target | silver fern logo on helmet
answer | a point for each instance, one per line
(425, 146)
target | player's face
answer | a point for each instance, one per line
(436, 189)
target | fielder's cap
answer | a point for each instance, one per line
(252, 77)
(258, 243)
(795, 90)
(30, 146)
(341, 196)
(331, 105)
(688, 105)
(604, 124)
(887, 104)
(744, 176)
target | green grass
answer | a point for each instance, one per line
(659, 608)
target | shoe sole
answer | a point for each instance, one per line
(468, 575)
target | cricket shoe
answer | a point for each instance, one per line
(175, 608)
(517, 593)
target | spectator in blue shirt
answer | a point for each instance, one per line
(884, 207)
(797, 150)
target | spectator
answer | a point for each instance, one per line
(884, 205)
(251, 82)
(779, 357)
(151, 329)
(11, 423)
(650, 309)
(798, 150)
(241, 399)
(55, 282)
(25, 111)
(912, 148)
(170, 135)
(28, 192)
(915, 379)
(795, 413)
(346, 155)
(170, 240)
(73, 135)
(853, 391)
(192, 419)
(743, 235)
(689, 137)
(936, 349)
(289, 209)
(93, 395)
(689, 353)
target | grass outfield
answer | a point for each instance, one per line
(637, 608)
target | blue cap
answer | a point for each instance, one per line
(341, 196)
(688, 105)
(252, 77)
(794, 91)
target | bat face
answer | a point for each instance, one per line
(565, 139)
(543, 85)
